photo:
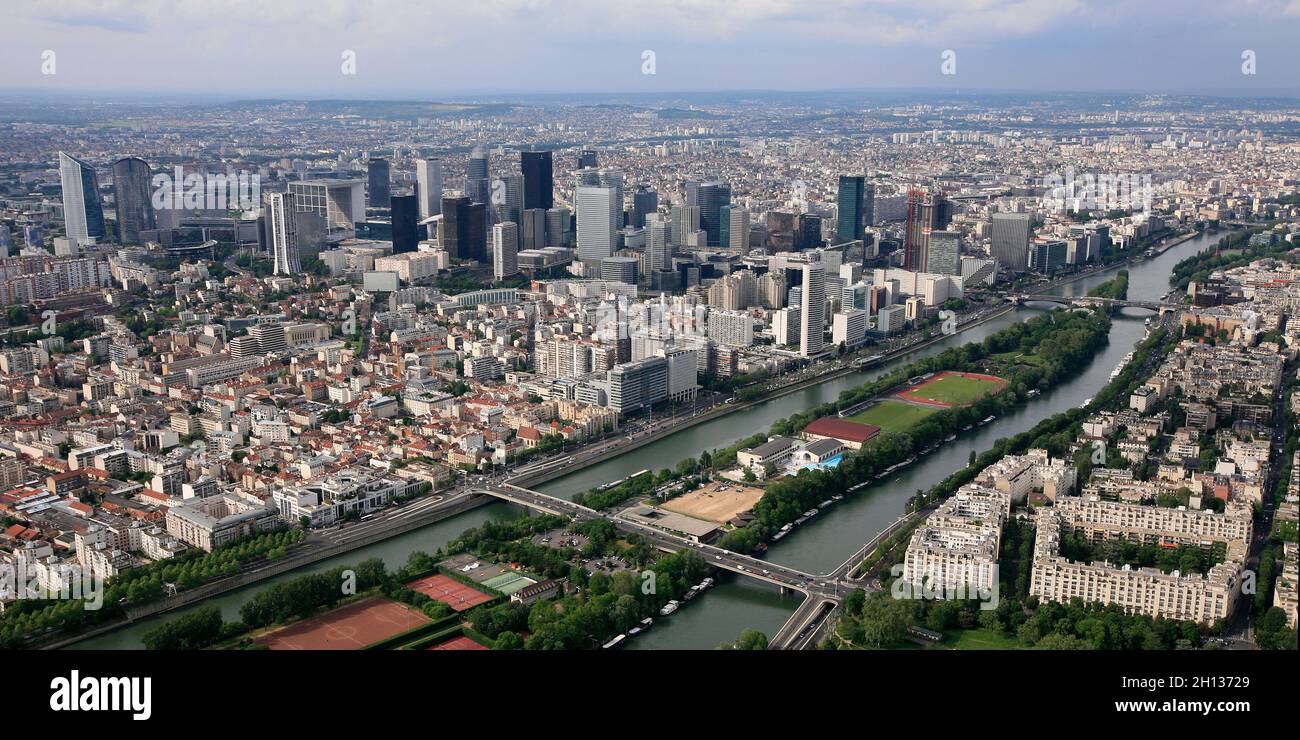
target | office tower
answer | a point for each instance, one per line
(658, 245)
(685, 221)
(812, 309)
(868, 205)
(925, 214)
(133, 199)
(476, 233)
(405, 212)
(532, 232)
(713, 196)
(692, 193)
(772, 289)
(598, 213)
(1047, 256)
(1011, 233)
(508, 198)
(505, 250)
(944, 253)
(808, 232)
(612, 177)
(735, 229)
(849, 327)
(539, 185)
(854, 296)
(269, 337)
(559, 227)
(619, 269)
(477, 186)
(645, 201)
(428, 180)
(851, 203)
(284, 237)
(780, 230)
(454, 230)
(83, 212)
(377, 173)
(587, 159)
(6, 240)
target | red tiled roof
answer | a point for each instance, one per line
(846, 431)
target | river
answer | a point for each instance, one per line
(819, 545)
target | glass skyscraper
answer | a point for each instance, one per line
(83, 212)
(132, 196)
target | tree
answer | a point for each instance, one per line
(509, 641)
(749, 639)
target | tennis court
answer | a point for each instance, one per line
(455, 594)
(509, 582)
(350, 627)
(459, 642)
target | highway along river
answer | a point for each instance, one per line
(817, 546)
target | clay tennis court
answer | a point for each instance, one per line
(459, 643)
(950, 388)
(711, 504)
(449, 591)
(350, 627)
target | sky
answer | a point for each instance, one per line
(430, 48)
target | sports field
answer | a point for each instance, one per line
(893, 416)
(459, 642)
(953, 389)
(350, 627)
(449, 591)
(715, 505)
(509, 582)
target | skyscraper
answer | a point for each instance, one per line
(477, 186)
(559, 227)
(508, 194)
(944, 253)
(454, 231)
(476, 233)
(658, 249)
(598, 216)
(378, 174)
(406, 223)
(713, 197)
(539, 185)
(587, 158)
(132, 196)
(83, 212)
(851, 204)
(532, 232)
(645, 201)
(1011, 241)
(925, 213)
(812, 309)
(505, 250)
(428, 179)
(734, 236)
(284, 238)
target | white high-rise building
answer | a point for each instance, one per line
(83, 211)
(505, 250)
(428, 177)
(812, 310)
(284, 236)
(598, 216)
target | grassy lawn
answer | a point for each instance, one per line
(977, 640)
(892, 416)
(957, 390)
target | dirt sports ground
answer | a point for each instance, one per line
(350, 627)
(449, 591)
(711, 504)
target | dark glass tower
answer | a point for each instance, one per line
(713, 196)
(377, 171)
(455, 225)
(405, 210)
(850, 224)
(133, 199)
(539, 185)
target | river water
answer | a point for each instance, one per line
(820, 544)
